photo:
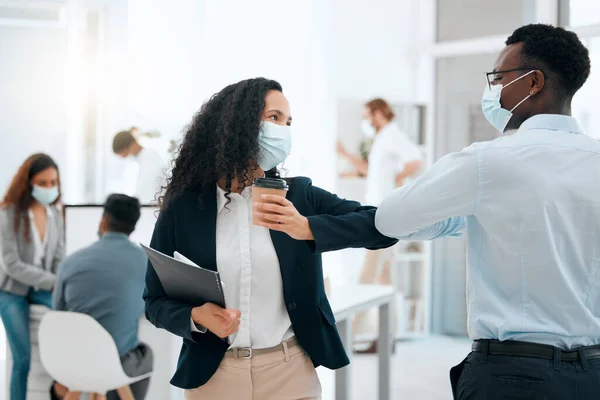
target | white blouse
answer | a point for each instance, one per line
(249, 269)
(38, 243)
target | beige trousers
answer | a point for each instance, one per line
(276, 375)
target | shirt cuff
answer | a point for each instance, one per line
(194, 327)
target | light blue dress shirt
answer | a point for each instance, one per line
(530, 205)
(106, 281)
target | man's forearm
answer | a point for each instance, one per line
(435, 204)
(449, 227)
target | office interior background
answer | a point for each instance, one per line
(75, 72)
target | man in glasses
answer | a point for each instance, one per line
(530, 205)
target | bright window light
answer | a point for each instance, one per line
(584, 12)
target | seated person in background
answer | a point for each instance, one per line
(106, 281)
(149, 161)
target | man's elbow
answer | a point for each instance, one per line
(391, 222)
(385, 224)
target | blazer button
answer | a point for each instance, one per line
(292, 306)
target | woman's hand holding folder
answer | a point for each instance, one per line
(220, 321)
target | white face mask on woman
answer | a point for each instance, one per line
(275, 143)
(44, 195)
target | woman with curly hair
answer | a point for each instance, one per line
(278, 325)
(32, 246)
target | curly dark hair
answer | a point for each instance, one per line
(557, 51)
(220, 141)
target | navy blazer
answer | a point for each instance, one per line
(188, 225)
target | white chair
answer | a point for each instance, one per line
(80, 354)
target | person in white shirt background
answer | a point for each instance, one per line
(392, 162)
(150, 164)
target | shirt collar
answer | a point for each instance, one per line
(222, 200)
(552, 122)
(115, 235)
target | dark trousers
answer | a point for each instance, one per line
(494, 377)
(137, 362)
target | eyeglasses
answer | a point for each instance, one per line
(491, 77)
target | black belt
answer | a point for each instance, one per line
(524, 349)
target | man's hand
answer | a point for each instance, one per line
(279, 214)
(220, 321)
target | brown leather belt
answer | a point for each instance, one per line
(525, 349)
(247, 353)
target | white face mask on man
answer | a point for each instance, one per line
(368, 129)
(275, 143)
(497, 116)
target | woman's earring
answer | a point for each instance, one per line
(531, 93)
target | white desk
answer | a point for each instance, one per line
(346, 302)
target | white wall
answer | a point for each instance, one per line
(463, 19)
(32, 102)
(370, 49)
(165, 63)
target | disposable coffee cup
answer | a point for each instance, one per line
(272, 186)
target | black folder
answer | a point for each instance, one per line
(184, 282)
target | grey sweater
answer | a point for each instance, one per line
(17, 272)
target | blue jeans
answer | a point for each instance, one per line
(14, 311)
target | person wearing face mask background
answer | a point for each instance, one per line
(529, 205)
(278, 325)
(32, 246)
(393, 161)
(149, 162)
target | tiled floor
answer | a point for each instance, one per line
(419, 371)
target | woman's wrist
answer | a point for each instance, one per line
(308, 235)
(198, 315)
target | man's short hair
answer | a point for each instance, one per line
(122, 141)
(554, 50)
(122, 213)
